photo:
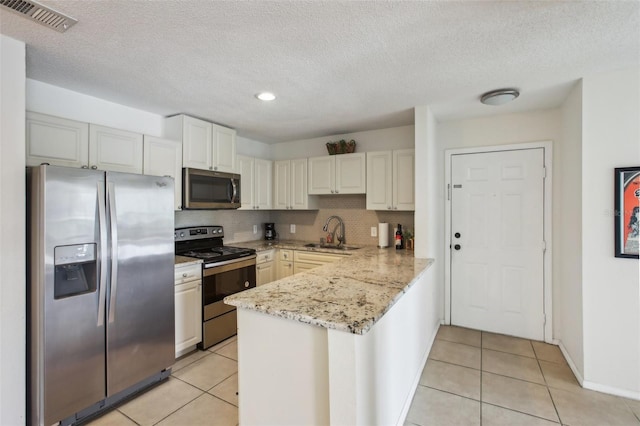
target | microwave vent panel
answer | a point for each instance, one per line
(41, 14)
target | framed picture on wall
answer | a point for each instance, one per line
(627, 212)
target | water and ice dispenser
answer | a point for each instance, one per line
(75, 270)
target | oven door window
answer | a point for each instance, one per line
(218, 286)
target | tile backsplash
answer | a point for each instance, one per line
(238, 224)
(351, 208)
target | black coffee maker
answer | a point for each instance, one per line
(269, 231)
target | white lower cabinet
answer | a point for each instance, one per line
(188, 307)
(285, 263)
(305, 260)
(265, 267)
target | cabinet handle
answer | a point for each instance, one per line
(94, 167)
(388, 207)
(84, 167)
(185, 274)
(210, 168)
(395, 208)
(332, 191)
(215, 168)
(258, 268)
(337, 192)
(258, 207)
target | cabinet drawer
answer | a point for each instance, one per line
(184, 274)
(286, 255)
(264, 256)
(315, 258)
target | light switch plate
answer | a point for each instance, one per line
(255, 229)
(374, 231)
(292, 228)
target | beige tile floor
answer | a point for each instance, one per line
(201, 391)
(471, 378)
(480, 378)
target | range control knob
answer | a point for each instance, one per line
(246, 284)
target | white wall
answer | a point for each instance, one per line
(567, 274)
(372, 140)
(611, 287)
(252, 148)
(12, 237)
(53, 100)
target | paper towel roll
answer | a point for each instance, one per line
(383, 235)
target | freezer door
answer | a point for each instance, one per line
(66, 322)
(140, 308)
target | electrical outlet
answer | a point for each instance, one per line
(374, 231)
(292, 228)
(255, 229)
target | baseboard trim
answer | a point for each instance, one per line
(416, 380)
(595, 386)
(572, 364)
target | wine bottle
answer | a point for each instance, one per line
(399, 238)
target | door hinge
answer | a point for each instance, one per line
(544, 246)
(544, 173)
(448, 192)
(544, 319)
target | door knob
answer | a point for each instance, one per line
(457, 247)
(457, 235)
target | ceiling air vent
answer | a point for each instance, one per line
(42, 14)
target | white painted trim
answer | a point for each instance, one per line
(572, 365)
(611, 390)
(547, 147)
(416, 380)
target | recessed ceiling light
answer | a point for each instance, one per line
(266, 96)
(499, 97)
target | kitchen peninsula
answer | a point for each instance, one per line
(342, 344)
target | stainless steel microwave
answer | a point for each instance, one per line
(205, 189)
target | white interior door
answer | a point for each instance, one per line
(497, 242)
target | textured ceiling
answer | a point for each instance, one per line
(336, 66)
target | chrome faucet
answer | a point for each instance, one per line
(325, 228)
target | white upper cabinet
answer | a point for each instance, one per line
(115, 150)
(70, 143)
(338, 174)
(56, 141)
(256, 182)
(163, 157)
(404, 162)
(205, 145)
(390, 180)
(290, 185)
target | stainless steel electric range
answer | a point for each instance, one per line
(225, 270)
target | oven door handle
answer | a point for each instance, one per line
(229, 265)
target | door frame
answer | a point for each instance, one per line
(547, 148)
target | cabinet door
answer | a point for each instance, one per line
(379, 180)
(285, 269)
(56, 141)
(281, 184)
(351, 174)
(245, 168)
(196, 143)
(188, 316)
(322, 175)
(265, 273)
(404, 179)
(163, 157)
(263, 184)
(299, 196)
(115, 150)
(224, 149)
(303, 266)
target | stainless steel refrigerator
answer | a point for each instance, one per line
(101, 291)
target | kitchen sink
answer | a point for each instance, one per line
(331, 246)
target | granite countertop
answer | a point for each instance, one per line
(350, 295)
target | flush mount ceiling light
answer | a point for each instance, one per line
(266, 96)
(499, 97)
(40, 13)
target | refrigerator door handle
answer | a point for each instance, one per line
(102, 226)
(114, 249)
